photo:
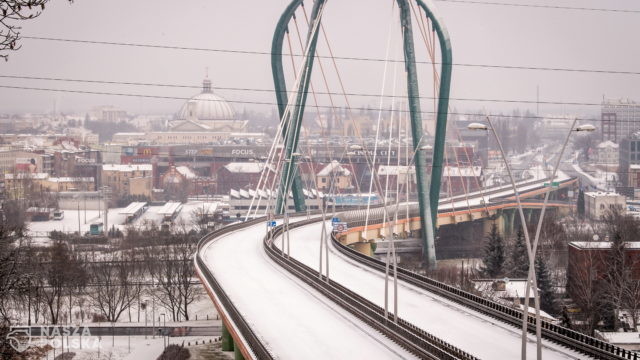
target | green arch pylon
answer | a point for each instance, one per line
(427, 199)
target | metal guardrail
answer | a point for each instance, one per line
(257, 347)
(407, 335)
(570, 338)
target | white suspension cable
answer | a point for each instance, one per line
(373, 171)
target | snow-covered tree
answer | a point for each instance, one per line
(493, 258)
(518, 265)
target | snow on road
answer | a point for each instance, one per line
(477, 334)
(293, 320)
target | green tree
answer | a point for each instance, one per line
(580, 204)
(493, 258)
(547, 296)
(518, 259)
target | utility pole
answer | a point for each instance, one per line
(538, 100)
(84, 198)
(79, 231)
(107, 193)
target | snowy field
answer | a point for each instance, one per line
(477, 334)
(39, 230)
(118, 347)
(293, 320)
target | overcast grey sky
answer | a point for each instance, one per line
(481, 34)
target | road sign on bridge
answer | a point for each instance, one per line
(340, 226)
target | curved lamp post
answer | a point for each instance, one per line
(531, 274)
(523, 223)
(531, 278)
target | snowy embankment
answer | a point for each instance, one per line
(75, 220)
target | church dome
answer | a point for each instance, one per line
(206, 106)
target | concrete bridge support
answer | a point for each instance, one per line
(509, 222)
(237, 354)
(227, 341)
(363, 248)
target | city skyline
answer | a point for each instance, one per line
(564, 39)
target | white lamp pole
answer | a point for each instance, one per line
(531, 273)
(531, 278)
(523, 222)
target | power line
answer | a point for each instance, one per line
(248, 52)
(105, 82)
(274, 104)
(555, 7)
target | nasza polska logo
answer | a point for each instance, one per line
(21, 338)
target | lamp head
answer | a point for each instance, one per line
(586, 127)
(477, 126)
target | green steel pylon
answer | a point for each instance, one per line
(428, 193)
(291, 132)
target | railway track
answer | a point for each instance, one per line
(253, 341)
(407, 335)
(402, 332)
(565, 337)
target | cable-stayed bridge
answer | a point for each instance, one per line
(288, 287)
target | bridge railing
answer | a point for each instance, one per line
(253, 341)
(565, 336)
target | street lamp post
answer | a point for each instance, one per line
(286, 207)
(78, 203)
(144, 307)
(531, 278)
(164, 317)
(523, 223)
(78, 324)
(531, 274)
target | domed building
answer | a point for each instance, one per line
(207, 112)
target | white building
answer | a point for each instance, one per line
(240, 201)
(597, 204)
(620, 119)
(607, 153)
(207, 112)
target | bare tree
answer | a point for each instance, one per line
(200, 219)
(586, 291)
(12, 236)
(172, 269)
(631, 300)
(117, 286)
(12, 11)
(64, 274)
(603, 281)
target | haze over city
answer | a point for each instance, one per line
(291, 179)
(481, 34)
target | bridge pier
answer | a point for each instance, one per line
(227, 341)
(363, 248)
(510, 222)
(237, 354)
